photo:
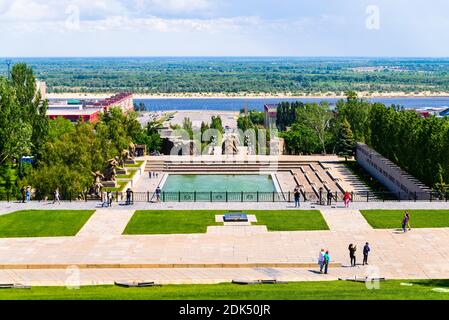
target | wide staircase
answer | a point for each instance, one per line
(313, 177)
(221, 167)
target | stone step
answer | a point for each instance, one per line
(164, 265)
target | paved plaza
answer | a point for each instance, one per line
(100, 254)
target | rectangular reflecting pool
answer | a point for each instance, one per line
(220, 188)
(219, 183)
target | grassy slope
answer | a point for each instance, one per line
(389, 219)
(325, 290)
(43, 223)
(175, 222)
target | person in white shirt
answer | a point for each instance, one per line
(321, 260)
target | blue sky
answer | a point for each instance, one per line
(224, 28)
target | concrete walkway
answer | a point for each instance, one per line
(6, 207)
(106, 223)
(99, 249)
(346, 221)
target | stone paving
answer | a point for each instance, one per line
(421, 253)
(6, 207)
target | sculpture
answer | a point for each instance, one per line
(96, 188)
(132, 150)
(127, 155)
(230, 146)
(111, 170)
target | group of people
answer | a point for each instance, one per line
(26, 194)
(324, 260)
(108, 198)
(330, 196)
(352, 250)
(152, 174)
(324, 257)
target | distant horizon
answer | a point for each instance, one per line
(229, 56)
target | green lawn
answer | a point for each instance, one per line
(120, 186)
(137, 165)
(325, 290)
(296, 220)
(128, 176)
(43, 223)
(390, 219)
(171, 222)
(197, 221)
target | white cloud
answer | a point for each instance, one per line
(172, 25)
(179, 6)
(26, 10)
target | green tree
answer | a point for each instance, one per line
(187, 126)
(15, 131)
(217, 124)
(32, 109)
(345, 141)
(316, 117)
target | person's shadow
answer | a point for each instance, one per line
(314, 271)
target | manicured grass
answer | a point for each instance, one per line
(120, 186)
(171, 222)
(137, 165)
(43, 223)
(197, 221)
(296, 220)
(389, 219)
(325, 290)
(130, 175)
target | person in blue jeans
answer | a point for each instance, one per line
(366, 250)
(158, 194)
(327, 260)
(28, 194)
(297, 195)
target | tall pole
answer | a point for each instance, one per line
(8, 63)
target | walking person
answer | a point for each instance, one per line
(22, 191)
(149, 174)
(329, 197)
(109, 199)
(297, 195)
(321, 260)
(158, 194)
(406, 222)
(56, 196)
(366, 250)
(352, 249)
(28, 194)
(105, 200)
(347, 199)
(128, 196)
(327, 260)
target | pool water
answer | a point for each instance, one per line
(219, 183)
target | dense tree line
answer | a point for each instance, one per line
(418, 145)
(64, 153)
(241, 75)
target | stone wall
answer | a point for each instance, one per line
(390, 175)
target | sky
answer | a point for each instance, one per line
(390, 28)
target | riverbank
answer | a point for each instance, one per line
(213, 95)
